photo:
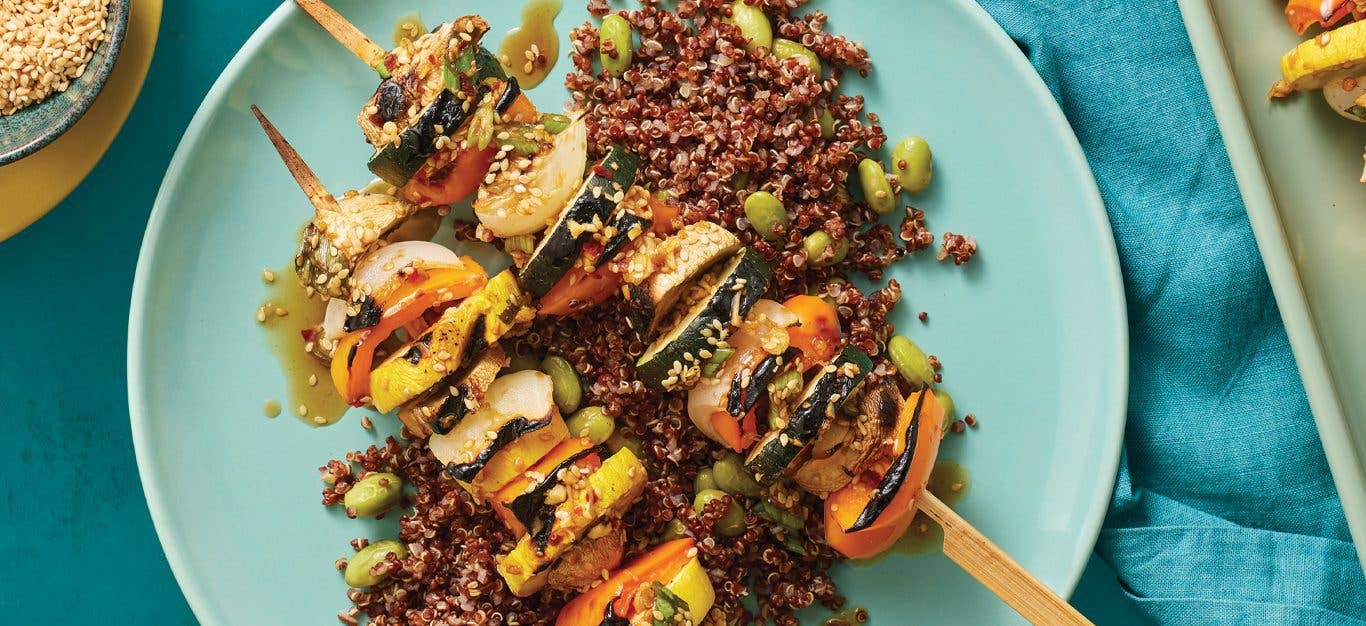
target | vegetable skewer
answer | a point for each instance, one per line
(992, 567)
(345, 32)
(308, 181)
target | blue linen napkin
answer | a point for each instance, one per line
(1224, 511)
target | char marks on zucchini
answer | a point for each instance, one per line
(587, 212)
(702, 320)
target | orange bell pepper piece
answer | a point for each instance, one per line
(579, 290)
(817, 333)
(662, 215)
(659, 565)
(401, 305)
(433, 185)
(843, 507)
(739, 434)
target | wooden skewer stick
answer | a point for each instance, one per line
(992, 567)
(308, 181)
(343, 31)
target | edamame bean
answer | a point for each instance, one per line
(912, 163)
(373, 495)
(520, 362)
(910, 361)
(827, 122)
(592, 422)
(565, 383)
(818, 243)
(705, 481)
(614, 44)
(739, 181)
(784, 48)
(766, 214)
(360, 569)
(754, 25)
(946, 401)
(877, 192)
(619, 441)
(733, 523)
(675, 529)
(730, 476)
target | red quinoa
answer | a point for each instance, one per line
(711, 124)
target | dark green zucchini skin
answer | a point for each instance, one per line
(823, 396)
(772, 456)
(640, 311)
(743, 397)
(896, 475)
(629, 226)
(508, 433)
(747, 278)
(396, 163)
(815, 404)
(526, 506)
(560, 248)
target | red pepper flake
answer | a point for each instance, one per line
(309, 334)
(924, 317)
(416, 276)
(602, 171)
(431, 58)
(938, 378)
(592, 248)
(934, 362)
(970, 419)
(390, 62)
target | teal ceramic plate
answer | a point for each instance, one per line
(1297, 165)
(1033, 331)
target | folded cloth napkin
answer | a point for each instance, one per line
(1224, 511)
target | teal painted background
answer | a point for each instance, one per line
(78, 543)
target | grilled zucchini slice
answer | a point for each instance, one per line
(684, 256)
(702, 319)
(589, 209)
(458, 338)
(604, 494)
(820, 402)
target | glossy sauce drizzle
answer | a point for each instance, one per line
(308, 383)
(949, 481)
(529, 51)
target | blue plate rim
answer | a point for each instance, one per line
(161, 519)
(114, 43)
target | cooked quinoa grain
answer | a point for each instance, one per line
(711, 124)
(44, 45)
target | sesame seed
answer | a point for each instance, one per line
(268, 276)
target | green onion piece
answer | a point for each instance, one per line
(768, 511)
(465, 61)
(449, 79)
(520, 136)
(718, 358)
(383, 71)
(520, 243)
(555, 123)
(480, 131)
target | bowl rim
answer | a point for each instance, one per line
(118, 28)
